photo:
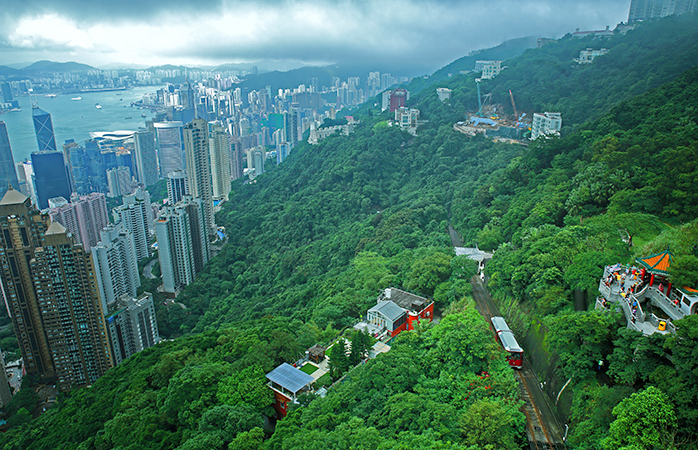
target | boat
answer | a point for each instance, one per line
(98, 106)
(76, 98)
(142, 115)
(129, 118)
(50, 95)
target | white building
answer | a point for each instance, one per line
(407, 119)
(443, 94)
(588, 55)
(219, 145)
(136, 215)
(545, 124)
(489, 69)
(119, 181)
(197, 152)
(145, 157)
(177, 186)
(116, 264)
(182, 243)
(170, 146)
(132, 326)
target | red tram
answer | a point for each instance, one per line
(508, 341)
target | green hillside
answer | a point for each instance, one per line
(313, 241)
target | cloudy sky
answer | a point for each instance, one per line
(211, 32)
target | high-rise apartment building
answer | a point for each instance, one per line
(196, 149)
(236, 156)
(652, 9)
(219, 143)
(44, 129)
(51, 294)
(177, 187)
(135, 213)
(119, 181)
(50, 176)
(132, 326)
(182, 243)
(146, 157)
(116, 265)
(8, 174)
(170, 146)
(85, 217)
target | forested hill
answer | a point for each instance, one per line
(314, 240)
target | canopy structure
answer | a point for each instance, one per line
(657, 264)
(289, 378)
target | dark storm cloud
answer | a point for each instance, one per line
(370, 31)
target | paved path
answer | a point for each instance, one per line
(148, 269)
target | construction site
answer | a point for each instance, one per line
(490, 121)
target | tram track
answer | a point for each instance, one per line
(539, 433)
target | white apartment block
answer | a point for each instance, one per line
(116, 265)
(545, 124)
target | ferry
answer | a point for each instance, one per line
(50, 95)
(76, 98)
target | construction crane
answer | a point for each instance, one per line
(513, 104)
(479, 101)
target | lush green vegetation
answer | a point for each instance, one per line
(314, 240)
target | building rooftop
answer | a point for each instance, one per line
(404, 300)
(289, 378)
(389, 309)
(13, 197)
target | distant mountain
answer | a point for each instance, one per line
(52, 66)
(7, 71)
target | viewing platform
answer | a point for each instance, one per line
(649, 302)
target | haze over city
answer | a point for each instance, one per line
(417, 35)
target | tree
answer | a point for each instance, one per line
(645, 420)
(360, 343)
(339, 362)
(493, 424)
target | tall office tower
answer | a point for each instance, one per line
(177, 187)
(50, 176)
(6, 92)
(146, 158)
(135, 213)
(182, 243)
(116, 265)
(236, 156)
(8, 173)
(22, 178)
(170, 146)
(219, 142)
(44, 129)
(26, 168)
(196, 149)
(119, 181)
(50, 291)
(85, 217)
(132, 326)
(78, 167)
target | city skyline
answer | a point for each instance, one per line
(421, 35)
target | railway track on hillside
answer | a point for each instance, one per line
(541, 431)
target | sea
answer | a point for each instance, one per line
(75, 119)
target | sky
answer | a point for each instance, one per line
(424, 33)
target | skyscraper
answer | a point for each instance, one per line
(236, 155)
(132, 326)
(8, 173)
(170, 146)
(50, 291)
(44, 129)
(652, 9)
(116, 264)
(146, 158)
(78, 167)
(50, 176)
(177, 187)
(196, 149)
(220, 161)
(84, 216)
(6, 92)
(135, 213)
(182, 243)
